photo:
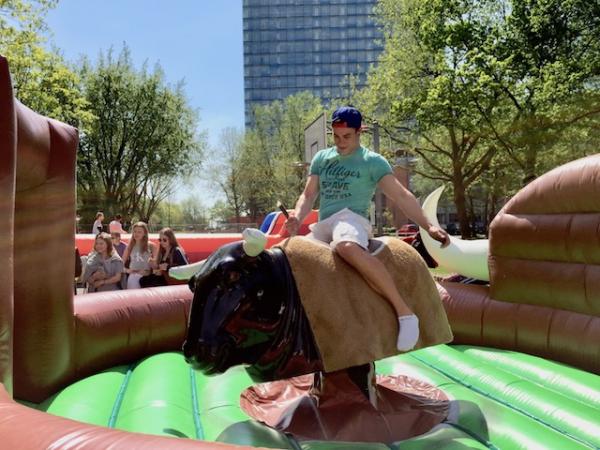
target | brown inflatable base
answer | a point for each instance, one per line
(340, 412)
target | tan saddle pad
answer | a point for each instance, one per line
(352, 324)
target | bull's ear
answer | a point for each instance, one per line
(255, 241)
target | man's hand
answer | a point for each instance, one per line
(292, 224)
(439, 235)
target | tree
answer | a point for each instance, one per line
(220, 212)
(543, 61)
(42, 80)
(142, 138)
(430, 112)
(227, 170)
(168, 214)
(194, 212)
(466, 86)
(272, 150)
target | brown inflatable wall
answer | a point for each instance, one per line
(545, 243)
(8, 130)
(44, 252)
(544, 294)
(57, 341)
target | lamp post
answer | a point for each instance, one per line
(378, 193)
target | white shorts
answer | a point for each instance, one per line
(133, 281)
(343, 226)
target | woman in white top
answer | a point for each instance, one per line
(97, 227)
(138, 254)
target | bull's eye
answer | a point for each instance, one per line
(233, 277)
(259, 294)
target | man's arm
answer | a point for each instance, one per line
(406, 201)
(303, 205)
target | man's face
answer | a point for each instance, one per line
(346, 139)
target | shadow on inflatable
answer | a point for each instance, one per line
(520, 373)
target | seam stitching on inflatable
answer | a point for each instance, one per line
(195, 407)
(504, 403)
(119, 400)
(473, 435)
(295, 445)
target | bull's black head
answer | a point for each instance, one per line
(246, 311)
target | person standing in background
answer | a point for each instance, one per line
(97, 228)
(116, 225)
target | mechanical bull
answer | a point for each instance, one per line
(301, 309)
(246, 311)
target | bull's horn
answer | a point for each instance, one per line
(467, 258)
(185, 272)
(255, 241)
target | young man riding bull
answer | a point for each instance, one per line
(345, 177)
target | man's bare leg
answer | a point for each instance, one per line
(380, 280)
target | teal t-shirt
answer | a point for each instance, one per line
(347, 181)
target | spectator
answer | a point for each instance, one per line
(170, 254)
(118, 245)
(116, 225)
(97, 228)
(78, 269)
(104, 266)
(137, 255)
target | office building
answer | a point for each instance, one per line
(307, 45)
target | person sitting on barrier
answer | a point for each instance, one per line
(345, 177)
(137, 255)
(170, 254)
(104, 266)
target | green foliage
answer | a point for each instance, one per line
(474, 79)
(269, 155)
(188, 214)
(193, 211)
(141, 140)
(41, 79)
(220, 212)
(167, 214)
(225, 169)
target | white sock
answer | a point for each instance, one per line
(408, 335)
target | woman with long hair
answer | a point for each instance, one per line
(170, 254)
(104, 266)
(138, 254)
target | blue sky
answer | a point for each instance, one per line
(199, 41)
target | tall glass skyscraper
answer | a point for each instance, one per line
(298, 45)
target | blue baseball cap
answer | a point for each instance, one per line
(346, 116)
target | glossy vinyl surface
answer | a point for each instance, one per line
(246, 310)
(502, 399)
